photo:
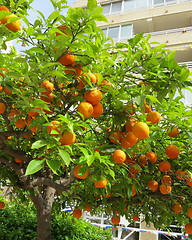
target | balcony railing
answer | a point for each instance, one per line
(147, 6)
(186, 64)
(164, 32)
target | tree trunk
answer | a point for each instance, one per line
(43, 204)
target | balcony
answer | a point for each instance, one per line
(124, 7)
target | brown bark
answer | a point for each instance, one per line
(43, 203)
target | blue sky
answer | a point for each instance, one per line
(44, 6)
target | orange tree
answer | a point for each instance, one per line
(91, 123)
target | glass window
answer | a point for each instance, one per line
(116, 7)
(129, 4)
(106, 8)
(104, 31)
(170, 1)
(126, 31)
(158, 1)
(113, 32)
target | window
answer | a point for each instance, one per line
(129, 4)
(162, 2)
(118, 7)
(119, 33)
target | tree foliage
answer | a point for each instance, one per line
(46, 128)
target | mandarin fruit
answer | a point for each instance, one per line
(77, 213)
(67, 138)
(2, 107)
(13, 26)
(119, 156)
(93, 96)
(77, 172)
(172, 151)
(164, 166)
(152, 185)
(141, 130)
(153, 117)
(115, 220)
(86, 109)
(101, 184)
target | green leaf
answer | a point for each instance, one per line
(65, 157)
(91, 4)
(53, 15)
(152, 98)
(34, 166)
(84, 151)
(39, 144)
(54, 165)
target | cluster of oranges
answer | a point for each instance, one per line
(10, 21)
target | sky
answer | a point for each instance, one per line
(44, 6)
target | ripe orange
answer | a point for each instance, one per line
(2, 70)
(172, 151)
(7, 91)
(97, 110)
(189, 212)
(77, 213)
(152, 185)
(55, 126)
(4, 8)
(164, 166)
(18, 160)
(47, 85)
(2, 107)
(67, 59)
(115, 220)
(76, 70)
(181, 174)
(47, 96)
(67, 138)
(89, 77)
(20, 123)
(119, 156)
(86, 109)
(115, 137)
(76, 172)
(152, 157)
(2, 205)
(188, 228)
(101, 184)
(134, 168)
(131, 138)
(174, 132)
(153, 117)
(129, 124)
(177, 208)
(141, 130)
(167, 180)
(148, 108)
(134, 191)
(143, 159)
(93, 96)
(88, 207)
(124, 143)
(12, 26)
(135, 218)
(165, 189)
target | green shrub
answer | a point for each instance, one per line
(18, 222)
